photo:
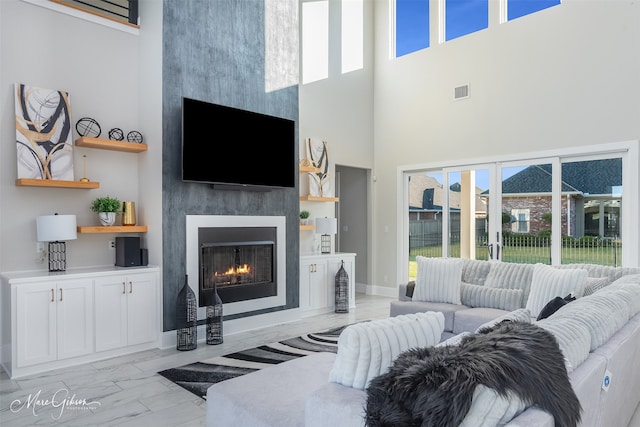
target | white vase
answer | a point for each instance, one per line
(107, 218)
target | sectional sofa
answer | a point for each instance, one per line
(598, 334)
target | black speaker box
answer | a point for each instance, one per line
(144, 257)
(128, 251)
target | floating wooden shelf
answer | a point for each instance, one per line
(309, 169)
(112, 229)
(107, 144)
(308, 198)
(306, 227)
(29, 182)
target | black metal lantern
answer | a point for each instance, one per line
(214, 319)
(186, 318)
(342, 290)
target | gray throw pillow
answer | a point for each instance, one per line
(483, 296)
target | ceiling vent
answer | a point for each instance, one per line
(461, 92)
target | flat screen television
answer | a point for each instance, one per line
(235, 149)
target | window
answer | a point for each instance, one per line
(464, 17)
(411, 26)
(352, 35)
(518, 8)
(556, 207)
(410, 19)
(520, 220)
(315, 41)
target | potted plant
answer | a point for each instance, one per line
(304, 217)
(106, 208)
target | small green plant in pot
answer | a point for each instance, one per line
(106, 208)
(304, 217)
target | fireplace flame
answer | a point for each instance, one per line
(239, 269)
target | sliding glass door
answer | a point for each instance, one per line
(551, 210)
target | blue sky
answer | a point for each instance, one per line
(462, 17)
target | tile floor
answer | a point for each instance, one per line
(129, 390)
(131, 393)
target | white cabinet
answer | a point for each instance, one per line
(126, 312)
(56, 321)
(313, 284)
(317, 280)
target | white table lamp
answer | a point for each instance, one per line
(326, 227)
(55, 229)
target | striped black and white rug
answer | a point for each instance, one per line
(197, 377)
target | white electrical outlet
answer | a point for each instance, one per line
(39, 247)
(111, 244)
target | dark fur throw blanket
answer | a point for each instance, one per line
(433, 386)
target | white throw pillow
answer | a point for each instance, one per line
(548, 282)
(438, 280)
(489, 409)
(367, 349)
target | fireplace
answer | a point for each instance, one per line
(239, 271)
(244, 257)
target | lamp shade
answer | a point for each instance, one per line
(52, 228)
(326, 225)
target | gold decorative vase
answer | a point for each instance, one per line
(128, 213)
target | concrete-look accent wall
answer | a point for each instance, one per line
(215, 51)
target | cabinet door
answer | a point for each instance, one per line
(74, 305)
(35, 324)
(306, 270)
(142, 306)
(111, 312)
(318, 285)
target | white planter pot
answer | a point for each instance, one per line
(107, 218)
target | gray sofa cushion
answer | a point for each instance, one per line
(397, 308)
(507, 275)
(490, 409)
(484, 296)
(471, 319)
(475, 271)
(594, 284)
(602, 314)
(613, 273)
(573, 338)
(335, 405)
(519, 315)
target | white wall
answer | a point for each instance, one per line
(338, 110)
(564, 77)
(111, 76)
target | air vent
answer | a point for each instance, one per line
(461, 92)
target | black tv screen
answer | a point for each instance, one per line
(230, 146)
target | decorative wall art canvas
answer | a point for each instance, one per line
(43, 133)
(319, 182)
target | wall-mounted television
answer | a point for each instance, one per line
(236, 149)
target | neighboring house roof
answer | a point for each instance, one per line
(577, 177)
(419, 183)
